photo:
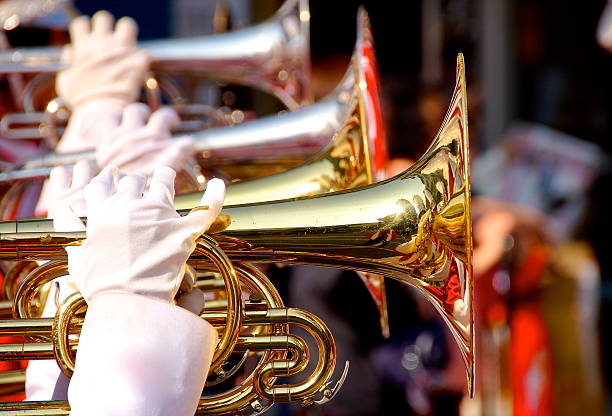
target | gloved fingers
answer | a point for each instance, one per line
(193, 301)
(102, 23)
(135, 158)
(126, 31)
(65, 219)
(59, 180)
(79, 30)
(128, 144)
(68, 188)
(175, 156)
(134, 116)
(161, 188)
(132, 186)
(199, 221)
(67, 53)
(101, 187)
(82, 174)
(163, 120)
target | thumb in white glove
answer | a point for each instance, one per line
(134, 146)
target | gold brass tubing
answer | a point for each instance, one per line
(34, 280)
(215, 305)
(31, 351)
(12, 377)
(20, 327)
(323, 370)
(208, 247)
(59, 334)
(210, 285)
(6, 308)
(239, 398)
(46, 408)
(12, 382)
(243, 397)
(12, 279)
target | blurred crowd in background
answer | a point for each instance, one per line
(540, 123)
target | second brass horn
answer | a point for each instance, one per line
(272, 56)
(281, 140)
(415, 227)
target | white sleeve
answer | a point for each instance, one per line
(42, 375)
(140, 357)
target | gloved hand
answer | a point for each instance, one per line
(132, 146)
(105, 64)
(135, 146)
(149, 355)
(106, 73)
(155, 241)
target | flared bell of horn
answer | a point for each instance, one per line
(357, 154)
(273, 56)
(414, 227)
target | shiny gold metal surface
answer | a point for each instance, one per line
(415, 227)
(356, 155)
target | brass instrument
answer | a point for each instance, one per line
(356, 155)
(272, 56)
(414, 227)
(277, 141)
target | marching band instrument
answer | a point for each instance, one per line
(281, 140)
(272, 56)
(415, 227)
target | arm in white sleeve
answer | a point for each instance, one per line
(140, 357)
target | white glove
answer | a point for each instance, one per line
(147, 240)
(105, 64)
(106, 74)
(135, 147)
(149, 355)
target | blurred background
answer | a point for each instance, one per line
(540, 112)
